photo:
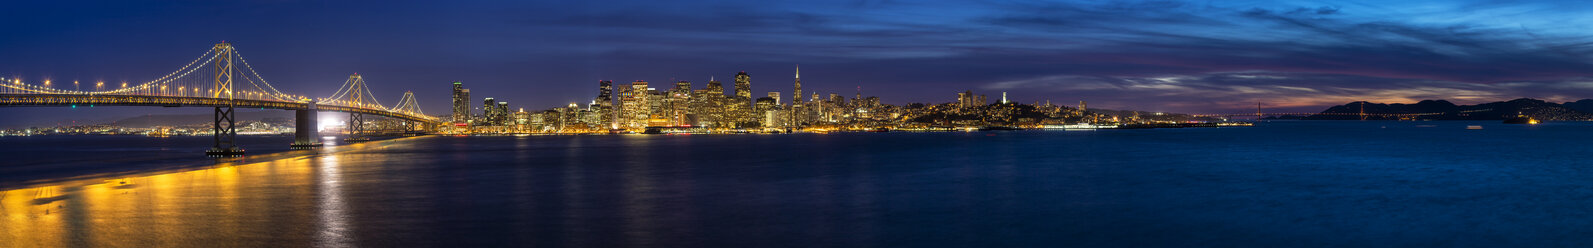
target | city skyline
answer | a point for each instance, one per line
(1156, 56)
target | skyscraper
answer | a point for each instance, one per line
(796, 100)
(716, 88)
(796, 91)
(634, 109)
(678, 101)
(739, 106)
(503, 114)
(744, 86)
(489, 112)
(711, 109)
(605, 105)
(461, 103)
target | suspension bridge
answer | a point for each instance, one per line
(223, 80)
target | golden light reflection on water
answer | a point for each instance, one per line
(239, 202)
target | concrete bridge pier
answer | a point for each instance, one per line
(305, 133)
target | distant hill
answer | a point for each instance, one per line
(180, 120)
(1579, 110)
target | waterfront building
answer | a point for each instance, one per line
(522, 121)
(764, 106)
(634, 109)
(776, 118)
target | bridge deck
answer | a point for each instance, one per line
(59, 100)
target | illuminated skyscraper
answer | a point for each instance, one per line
(796, 99)
(739, 105)
(604, 105)
(461, 103)
(796, 92)
(489, 112)
(634, 106)
(711, 106)
(503, 114)
(775, 95)
(744, 86)
(657, 111)
(678, 102)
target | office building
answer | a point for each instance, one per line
(461, 103)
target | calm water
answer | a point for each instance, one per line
(1278, 184)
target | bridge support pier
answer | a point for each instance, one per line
(226, 136)
(305, 131)
(356, 128)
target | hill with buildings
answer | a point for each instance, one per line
(1570, 111)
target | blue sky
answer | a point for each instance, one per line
(1175, 56)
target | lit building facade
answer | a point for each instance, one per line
(461, 103)
(603, 105)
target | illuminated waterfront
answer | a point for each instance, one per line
(1276, 184)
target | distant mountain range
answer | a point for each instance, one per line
(1581, 110)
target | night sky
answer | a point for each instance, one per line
(1174, 56)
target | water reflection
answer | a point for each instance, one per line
(334, 226)
(243, 203)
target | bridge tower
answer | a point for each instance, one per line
(356, 120)
(1258, 111)
(1363, 110)
(226, 135)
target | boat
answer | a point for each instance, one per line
(1474, 127)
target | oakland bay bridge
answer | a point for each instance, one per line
(221, 79)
